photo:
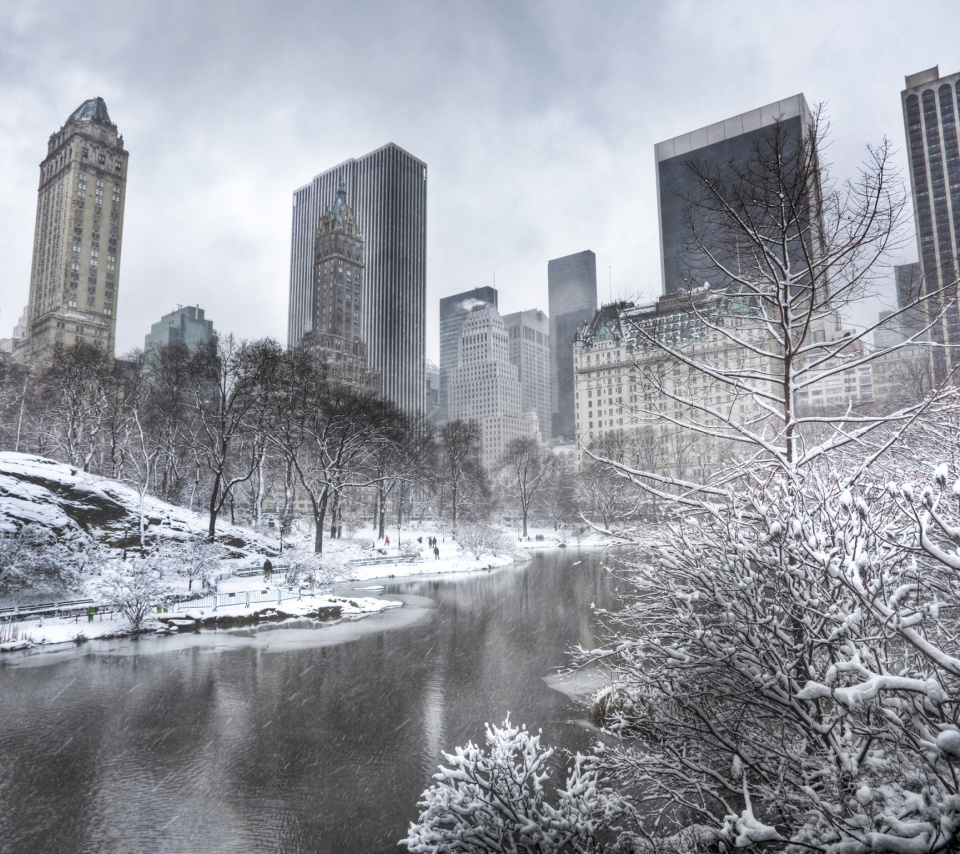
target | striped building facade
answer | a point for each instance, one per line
(388, 193)
(931, 115)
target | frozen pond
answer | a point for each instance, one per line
(286, 740)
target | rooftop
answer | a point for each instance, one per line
(752, 120)
(91, 110)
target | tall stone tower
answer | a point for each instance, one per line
(337, 300)
(529, 333)
(453, 311)
(76, 246)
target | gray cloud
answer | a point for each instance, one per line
(537, 120)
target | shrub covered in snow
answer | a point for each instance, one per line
(495, 800)
(791, 661)
(32, 558)
(479, 538)
(135, 587)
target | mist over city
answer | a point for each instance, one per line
(480, 427)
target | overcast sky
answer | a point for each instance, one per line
(537, 121)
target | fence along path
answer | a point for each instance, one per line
(243, 597)
(84, 607)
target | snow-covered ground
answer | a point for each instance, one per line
(52, 630)
(78, 508)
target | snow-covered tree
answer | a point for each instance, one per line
(227, 391)
(194, 559)
(76, 385)
(330, 442)
(789, 665)
(33, 559)
(776, 253)
(496, 800)
(785, 674)
(527, 464)
(481, 538)
(135, 587)
(462, 481)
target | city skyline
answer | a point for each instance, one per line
(573, 115)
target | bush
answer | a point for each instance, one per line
(494, 800)
(135, 587)
(480, 538)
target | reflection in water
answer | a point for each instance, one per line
(291, 740)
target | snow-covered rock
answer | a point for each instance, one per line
(74, 505)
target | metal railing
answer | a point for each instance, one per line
(69, 608)
(243, 597)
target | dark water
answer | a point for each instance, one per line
(292, 740)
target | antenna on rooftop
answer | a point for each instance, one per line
(610, 272)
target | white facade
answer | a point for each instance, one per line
(529, 334)
(485, 386)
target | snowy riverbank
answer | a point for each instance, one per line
(356, 560)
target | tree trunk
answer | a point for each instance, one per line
(381, 511)
(319, 514)
(214, 508)
(289, 488)
(258, 493)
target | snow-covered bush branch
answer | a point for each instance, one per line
(32, 558)
(789, 659)
(135, 587)
(479, 538)
(495, 800)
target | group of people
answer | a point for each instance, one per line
(431, 544)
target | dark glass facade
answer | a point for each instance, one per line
(717, 148)
(572, 286)
(684, 264)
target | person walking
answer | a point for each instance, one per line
(436, 553)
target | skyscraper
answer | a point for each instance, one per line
(186, 325)
(388, 193)
(76, 245)
(485, 387)
(529, 335)
(453, 311)
(715, 147)
(572, 286)
(931, 116)
(335, 336)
